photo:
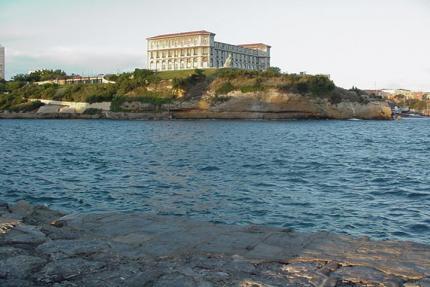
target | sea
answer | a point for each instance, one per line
(363, 178)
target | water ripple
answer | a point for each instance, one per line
(363, 178)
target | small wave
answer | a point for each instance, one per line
(209, 168)
(253, 165)
(419, 228)
(264, 184)
(400, 234)
(417, 195)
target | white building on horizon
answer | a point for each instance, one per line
(2, 62)
(199, 50)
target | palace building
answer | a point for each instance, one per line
(199, 50)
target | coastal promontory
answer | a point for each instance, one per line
(193, 94)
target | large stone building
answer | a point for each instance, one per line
(2, 63)
(199, 50)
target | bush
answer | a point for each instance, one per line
(92, 111)
(335, 98)
(40, 75)
(224, 89)
(184, 83)
(231, 73)
(305, 84)
(26, 107)
(154, 98)
(217, 99)
(272, 72)
(256, 87)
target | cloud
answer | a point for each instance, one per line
(75, 59)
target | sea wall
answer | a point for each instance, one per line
(70, 107)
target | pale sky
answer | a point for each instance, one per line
(365, 43)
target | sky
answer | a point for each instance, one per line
(364, 43)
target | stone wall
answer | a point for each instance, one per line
(70, 107)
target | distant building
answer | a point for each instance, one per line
(100, 79)
(199, 50)
(2, 63)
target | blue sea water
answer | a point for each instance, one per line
(357, 177)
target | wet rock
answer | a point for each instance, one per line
(66, 269)
(23, 234)
(56, 233)
(136, 249)
(20, 266)
(15, 283)
(59, 249)
(175, 280)
(329, 267)
(125, 275)
(66, 284)
(360, 274)
(42, 215)
(425, 282)
(252, 283)
(239, 264)
(20, 209)
(4, 208)
(9, 251)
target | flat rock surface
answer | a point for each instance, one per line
(41, 247)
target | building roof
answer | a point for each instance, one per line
(254, 45)
(191, 33)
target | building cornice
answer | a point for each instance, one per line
(192, 33)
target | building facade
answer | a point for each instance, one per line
(2, 62)
(199, 50)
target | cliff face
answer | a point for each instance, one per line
(273, 104)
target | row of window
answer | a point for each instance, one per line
(179, 53)
(189, 60)
(178, 66)
(237, 49)
(179, 42)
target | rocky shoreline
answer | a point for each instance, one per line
(43, 247)
(184, 115)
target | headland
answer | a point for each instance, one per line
(194, 94)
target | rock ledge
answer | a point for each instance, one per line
(42, 247)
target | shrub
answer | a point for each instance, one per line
(224, 89)
(217, 99)
(272, 72)
(256, 87)
(154, 98)
(335, 98)
(26, 107)
(92, 111)
(40, 75)
(304, 84)
(184, 83)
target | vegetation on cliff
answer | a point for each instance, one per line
(420, 105)
(158, 88)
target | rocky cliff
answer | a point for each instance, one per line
(273, 104)
(216, 94)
